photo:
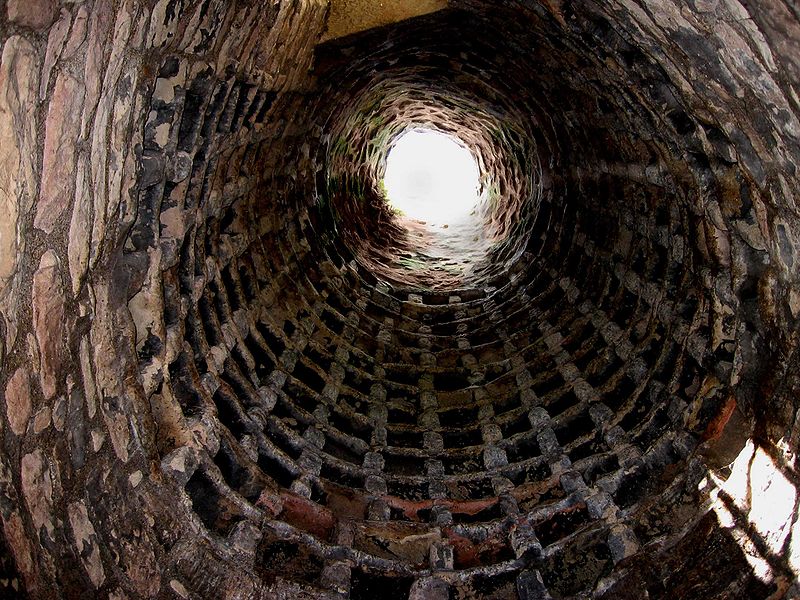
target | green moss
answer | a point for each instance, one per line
(492, 197)
(412, 264)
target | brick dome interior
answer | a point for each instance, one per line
(229, 369)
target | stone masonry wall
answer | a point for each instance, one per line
(227, 370)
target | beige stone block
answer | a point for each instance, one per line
(37, 14)
(48, 320)
(18, 82)
(37, 487)
(18, 400)
(55, 44)
(80, 228)
(21, 549)
(86, 542)
(60, 151)
(100, 26)
(78, 33)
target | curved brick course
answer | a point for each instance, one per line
(228, 370)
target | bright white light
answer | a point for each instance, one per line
(768, 500)
(764, 493)
(431, 178)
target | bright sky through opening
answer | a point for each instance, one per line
(431, 178)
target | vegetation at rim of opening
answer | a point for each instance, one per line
(492, 196)
(343, 148)
(384, 193)
(357, 190)
(410, 264)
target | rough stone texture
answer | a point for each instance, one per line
(37, 487)
(48, 320)
(18, 184)
(37, 14)
(18, 400)
(86, 542)
(80, 227)
(429, 589)
(351, 16)
(18, 69)
(60, 151)
(22, 555)
(228, 370)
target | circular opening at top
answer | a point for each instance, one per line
(430, 177)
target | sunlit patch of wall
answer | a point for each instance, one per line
(757, 499)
